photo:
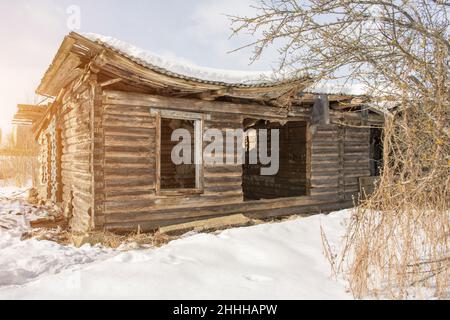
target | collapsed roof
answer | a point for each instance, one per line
(128, 67)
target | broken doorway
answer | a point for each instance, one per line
(291, 179)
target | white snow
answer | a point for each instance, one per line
(24, 261)
(338, 88)
(270, 261)
(183, 67)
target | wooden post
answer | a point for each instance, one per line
(321, 111)
(158, 153)
(309, 143)
(341, 168)
(198, 154)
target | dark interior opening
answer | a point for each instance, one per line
(174, 176)
(291, 179)
(376, 151)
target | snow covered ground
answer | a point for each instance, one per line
(272, 261)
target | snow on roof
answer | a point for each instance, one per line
(336, 88)
(183, 68)
(187, 70)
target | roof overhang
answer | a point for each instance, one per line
(78, 53)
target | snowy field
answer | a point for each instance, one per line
(271, 261)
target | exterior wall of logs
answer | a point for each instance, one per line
(126, 195)
(110, 152)
(68, 153)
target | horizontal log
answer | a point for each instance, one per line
(192, 105)
(128, 124)
(223, 179)
(127, 172)
(115, 177)
(322, 159)
(307, 210)
(116, 191)
(186, 213)
(223, 188)
(141, 182)
(118, 110)
(118, 141)
(127, 159)
(128, 131)
(138, 150)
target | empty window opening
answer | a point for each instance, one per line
(173, 176)
(376, 151)
(291, 179)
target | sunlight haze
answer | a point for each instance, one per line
(196, 31)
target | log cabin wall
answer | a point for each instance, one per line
(223, 182)
(130, 172)
(67, 146)
(109, 156)
(356, 160)
(336, 157)
(339, 157)
(77, 159)
(129, 159)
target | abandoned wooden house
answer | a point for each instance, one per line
(106, 142)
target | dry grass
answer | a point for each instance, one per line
(17, 169)
(399, 237)
(135, 240)
(132, 240)
(103, 238)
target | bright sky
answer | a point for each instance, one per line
(197, 30)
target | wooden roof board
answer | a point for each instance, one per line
(28, 114)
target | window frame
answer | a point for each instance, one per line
(198, 120)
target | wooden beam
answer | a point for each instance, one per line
(212, 95)
(158, 154)
(110, 82)
(191, 105)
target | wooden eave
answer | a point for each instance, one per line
(28, 114)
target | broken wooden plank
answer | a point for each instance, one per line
(48, 223)
(208, 224)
